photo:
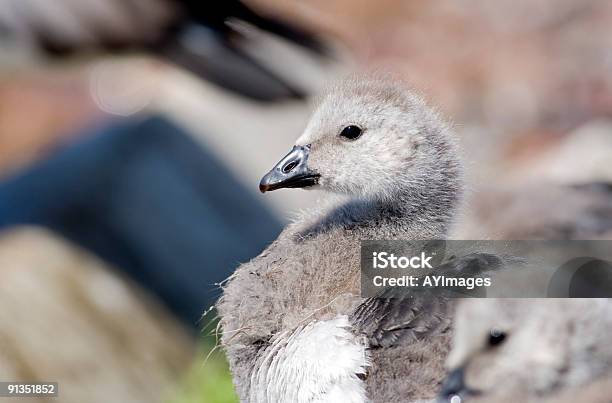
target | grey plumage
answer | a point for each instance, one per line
(403, 177)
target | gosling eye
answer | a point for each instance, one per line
(351, 132)
(496, 337)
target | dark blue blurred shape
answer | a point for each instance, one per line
(145, 197)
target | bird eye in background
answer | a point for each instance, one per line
(351, 132)
(496, 337)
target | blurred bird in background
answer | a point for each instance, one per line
(525, 351)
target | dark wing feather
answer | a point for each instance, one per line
(385, 321)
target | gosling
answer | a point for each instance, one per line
(294, 326)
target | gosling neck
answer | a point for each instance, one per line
(423, 208)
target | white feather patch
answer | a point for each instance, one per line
(318, 362)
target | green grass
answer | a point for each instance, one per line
(208, 381)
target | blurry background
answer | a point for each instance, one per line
(133, 135)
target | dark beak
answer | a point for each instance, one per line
(454, 388)
(290, 172)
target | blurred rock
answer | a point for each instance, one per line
(68, 318)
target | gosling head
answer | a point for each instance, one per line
(536, 347)
(371, 138)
